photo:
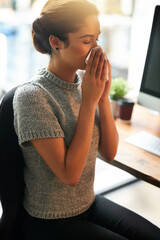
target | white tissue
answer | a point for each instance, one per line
(87, 58)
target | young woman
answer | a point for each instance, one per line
(61, 123)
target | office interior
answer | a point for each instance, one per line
(125, 27)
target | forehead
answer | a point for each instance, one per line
(90, 26)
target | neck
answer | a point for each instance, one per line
(66, 73)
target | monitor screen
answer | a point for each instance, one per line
(149, 95)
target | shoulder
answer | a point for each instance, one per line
(29, 92)
(28, 89)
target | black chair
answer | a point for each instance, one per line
(11, 173)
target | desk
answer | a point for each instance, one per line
(140, 163)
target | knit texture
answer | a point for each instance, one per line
(47, 107)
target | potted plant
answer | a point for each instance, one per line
(119, 89)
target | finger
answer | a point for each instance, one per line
(109, 68)
(90, 60)
(95, 61)
(104, 71)
(100, 65)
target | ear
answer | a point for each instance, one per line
(54, 42)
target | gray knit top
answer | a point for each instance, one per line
(48, 107)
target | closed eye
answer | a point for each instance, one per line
(88, 42)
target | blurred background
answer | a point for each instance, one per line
(125, 27)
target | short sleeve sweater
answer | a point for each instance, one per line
(48, 107)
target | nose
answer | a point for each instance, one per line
(95, 45)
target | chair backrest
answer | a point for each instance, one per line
(11, 172)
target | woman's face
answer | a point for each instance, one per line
(81, 42)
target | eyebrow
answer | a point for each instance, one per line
(87, 35)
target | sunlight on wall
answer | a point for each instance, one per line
(141, 29)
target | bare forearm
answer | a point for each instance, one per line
(109, 136)
(78, 150)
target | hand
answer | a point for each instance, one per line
(107, 85)
(94, 79)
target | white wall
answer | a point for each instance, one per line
(3, 60)
(141, 29)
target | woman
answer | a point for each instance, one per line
(61, 124)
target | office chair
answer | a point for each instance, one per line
(11, 173)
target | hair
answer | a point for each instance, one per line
(58, 18)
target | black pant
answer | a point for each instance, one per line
(103, 220)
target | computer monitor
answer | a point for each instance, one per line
(149, 94)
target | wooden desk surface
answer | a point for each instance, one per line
(138, 162)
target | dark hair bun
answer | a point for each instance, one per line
(40, 42)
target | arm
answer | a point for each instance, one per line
(68, 164)
(109, 135)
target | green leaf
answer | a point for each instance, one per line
(119, 88)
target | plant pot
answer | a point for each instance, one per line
(125, 109)
(114, 108)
